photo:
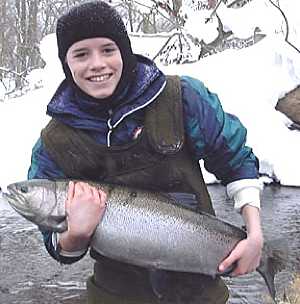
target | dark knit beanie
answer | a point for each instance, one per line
(91, 20)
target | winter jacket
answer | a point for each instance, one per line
(211, 134)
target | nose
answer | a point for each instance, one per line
(97, 61)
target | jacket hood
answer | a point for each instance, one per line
(76, 111)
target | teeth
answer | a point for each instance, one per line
(99, 78)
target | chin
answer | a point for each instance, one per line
(100, 95)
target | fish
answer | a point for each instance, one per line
(144, 228)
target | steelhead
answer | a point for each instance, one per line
(143, 228)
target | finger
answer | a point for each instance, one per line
(103, 197)
(84, 184)
(241, 270)
(70, 193)
(95, 194)
(232, 258)
(70, 190)
(86, 187)
(79, 188)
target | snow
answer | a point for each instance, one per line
(249, 83)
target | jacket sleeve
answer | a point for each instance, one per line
(43, 167)
(217, 137)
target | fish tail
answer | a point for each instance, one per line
(267, 271)
(274, 260)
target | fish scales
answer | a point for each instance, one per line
(143, 228)
(142, 221)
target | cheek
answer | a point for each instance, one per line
(70, 67)
(74, 66)
(73, 73)
(120, 67)
(119, 63)
(76, 71)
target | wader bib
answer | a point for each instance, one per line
(157, 160)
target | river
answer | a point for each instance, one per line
(29, 276)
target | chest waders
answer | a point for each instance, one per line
(157, 160)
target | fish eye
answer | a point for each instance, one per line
(24, 189)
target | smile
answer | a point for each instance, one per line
(99, 78)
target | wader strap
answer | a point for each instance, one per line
(164, 119)
(79, 156)
(158, 159)
(70, 151)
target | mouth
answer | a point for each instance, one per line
(17, 202)
(99, 78)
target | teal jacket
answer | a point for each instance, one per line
(211, 134)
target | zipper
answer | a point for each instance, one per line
(111, 127)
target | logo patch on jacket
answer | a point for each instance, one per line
(137, 132)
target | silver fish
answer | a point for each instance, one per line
(143, 228)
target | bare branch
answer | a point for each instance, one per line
(287, 26)
(213, 12)
(166, 43)
(20, 75)
(160, 13)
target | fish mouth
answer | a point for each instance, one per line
(17, 202)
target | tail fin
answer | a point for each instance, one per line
(274, 260)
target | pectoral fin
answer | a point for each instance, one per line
(55, 223)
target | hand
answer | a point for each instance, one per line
(247, 252)
(85, 206)
(246, 255)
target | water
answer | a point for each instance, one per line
(29, 276)
(281, 223)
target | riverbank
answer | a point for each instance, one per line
(290, 105)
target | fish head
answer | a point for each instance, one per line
(36, 200)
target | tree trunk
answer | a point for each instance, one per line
(21, 29)
(32, 34)
(3, 26)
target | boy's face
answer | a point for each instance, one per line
(96, 66)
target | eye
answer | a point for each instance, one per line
(24, 189)
(109, 50)
(80, 55)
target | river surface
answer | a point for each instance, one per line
(29, 276)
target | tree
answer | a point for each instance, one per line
(24, 23)
(3, 25)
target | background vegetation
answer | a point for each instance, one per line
(24, 23)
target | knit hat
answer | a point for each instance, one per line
(91, 20)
